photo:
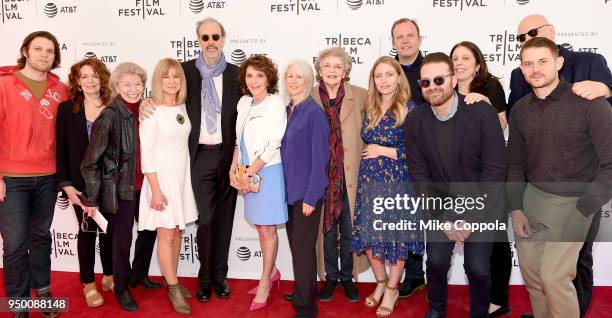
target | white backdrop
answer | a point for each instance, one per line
(144, 31)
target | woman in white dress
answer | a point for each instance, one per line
(167, 202)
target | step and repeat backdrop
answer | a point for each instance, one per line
(144, 31)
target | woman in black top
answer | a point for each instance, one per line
(476, 83)
(474, 80)
(88, 95)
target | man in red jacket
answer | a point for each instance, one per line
(29, 97)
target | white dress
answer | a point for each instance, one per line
(164, 150)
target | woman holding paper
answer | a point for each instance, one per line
(88, 95)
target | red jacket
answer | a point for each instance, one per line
(27, 125)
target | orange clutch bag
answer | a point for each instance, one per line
(256, 180)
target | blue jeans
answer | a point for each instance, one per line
(25, 219)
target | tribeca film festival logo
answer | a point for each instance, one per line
(189, 249)
(51, 10)
(185, 49)
(459, 4)
(351, 45)
(197, 6)
(64, 243)
(356, 4)
(295, 6)
(12, 10)
(506, 48)
(143, 8)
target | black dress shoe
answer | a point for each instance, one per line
(527, 315)
(146, 282)
(222, 290)
(204, 294)
(288, 297)
(503, 310)
(126, 301)
(327, 292)
(410, 287)
(48, 313)
(350, 290)
(21, 314)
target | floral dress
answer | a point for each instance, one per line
(384, 177)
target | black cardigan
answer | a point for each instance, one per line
(71, 143)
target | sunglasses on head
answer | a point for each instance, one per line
(532, 33)
(215, 37)
(438, 80)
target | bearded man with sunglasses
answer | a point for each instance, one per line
(456, 151)
(591, 78)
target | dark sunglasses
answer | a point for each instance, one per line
(438, 80)
(215, 37)
(85, 225)
(532, 33)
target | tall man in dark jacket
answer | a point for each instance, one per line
(406, 39)
(212, 94)
(461, 148)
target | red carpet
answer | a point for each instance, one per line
(155, 304)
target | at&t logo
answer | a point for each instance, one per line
(522, 2)
(51, 9)
(295, 6)
(459, 4)
(238, 56)
(569, 47)
(197, 6)
(356, 4)
(104, 58)
(243, 253)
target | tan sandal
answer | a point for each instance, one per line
(92, 296)
(371, 301)
(108, 283)
(384, 311)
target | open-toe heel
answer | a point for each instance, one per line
(371, 300)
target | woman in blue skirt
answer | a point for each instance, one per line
(256, 170)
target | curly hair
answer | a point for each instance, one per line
(263, 64)
(74, 89)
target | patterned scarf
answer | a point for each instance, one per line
(335, 169)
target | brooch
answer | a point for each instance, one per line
(180, 119)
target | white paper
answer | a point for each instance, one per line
(100, 220)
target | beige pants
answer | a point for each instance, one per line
(548, 259)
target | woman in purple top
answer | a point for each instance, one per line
(305, 155)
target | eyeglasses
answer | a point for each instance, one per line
(85, 225)
(438, 80)
(215, 37)
(532, 33)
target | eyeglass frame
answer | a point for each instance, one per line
(85, 225)
(215, 37)
(441, 79)
(532, 33)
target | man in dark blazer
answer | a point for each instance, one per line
(213, 91)
(459, 151)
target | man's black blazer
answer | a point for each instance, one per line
(229, 100)
(479, 151)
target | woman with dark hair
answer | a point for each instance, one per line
(474, 80)
(476, 83)
(109, 170)
(88, 94)
(256, 169)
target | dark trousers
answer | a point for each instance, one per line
(501, 268)
(302, 232)
(143, 249)
(216, 202)
(121, 229)
(25, 221)
(86, 248)
(344, 225)
(584, 270)
(476, 265)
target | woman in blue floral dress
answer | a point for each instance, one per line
(383, 173)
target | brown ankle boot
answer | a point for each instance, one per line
(178, 301)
